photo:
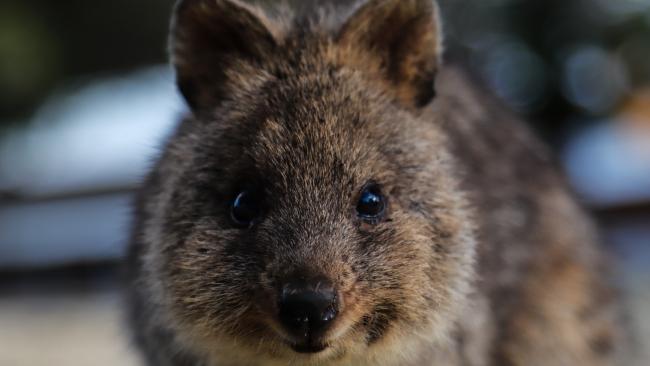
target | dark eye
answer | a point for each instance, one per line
(245, 208)
(372, 204)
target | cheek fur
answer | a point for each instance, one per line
(413, 272)
(208, 284)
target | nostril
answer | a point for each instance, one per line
(307, 312)
(329, 314)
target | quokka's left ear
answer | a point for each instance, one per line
(211, 41)
(402, 39)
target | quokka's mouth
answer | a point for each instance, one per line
(308, 347)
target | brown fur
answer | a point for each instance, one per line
(483, 258)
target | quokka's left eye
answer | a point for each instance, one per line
(372, 203)
(245, 208)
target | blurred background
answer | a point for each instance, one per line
(86, 99)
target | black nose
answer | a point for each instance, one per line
(307, 309)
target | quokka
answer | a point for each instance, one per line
(340, 196)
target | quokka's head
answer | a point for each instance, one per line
(307, 212)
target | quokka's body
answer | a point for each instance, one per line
(323, 206)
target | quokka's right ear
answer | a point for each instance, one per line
(209, 40)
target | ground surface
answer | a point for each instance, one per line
(71, 319)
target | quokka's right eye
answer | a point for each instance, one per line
(245, 208)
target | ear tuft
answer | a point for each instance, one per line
(210, 38)
(403, 38)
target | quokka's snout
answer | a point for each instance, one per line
(307, 308)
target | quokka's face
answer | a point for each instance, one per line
(307, 214)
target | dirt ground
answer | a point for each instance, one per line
(73, 319)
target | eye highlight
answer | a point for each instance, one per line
(372, 203)
(245, 208)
